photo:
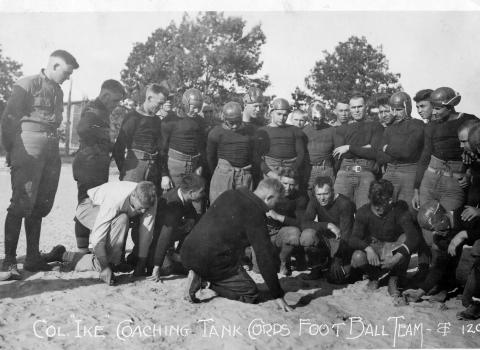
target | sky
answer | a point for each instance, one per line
(428, 48)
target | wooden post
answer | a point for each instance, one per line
(68, 124)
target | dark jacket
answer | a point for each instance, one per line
(94, 126)
(34, 99)
(214, 247)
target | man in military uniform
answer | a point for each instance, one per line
(29, 133)
(92, 161)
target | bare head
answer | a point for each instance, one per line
(143, 197)
(358, 107)
(270, 191)
(342, 111)
(323, 190)
(299, 118)
(111, 94)
(61, 65)
(155, 97)
(423, 104)
(193, 187)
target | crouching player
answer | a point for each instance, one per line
(283, 221)
(213, 250)
(107, 212)
(326, 239)
(384, 236)
(176, 217)
(450, 234)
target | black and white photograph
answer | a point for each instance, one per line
(239, 175)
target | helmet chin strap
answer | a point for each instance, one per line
(451, 100)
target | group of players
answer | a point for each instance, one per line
(210, 197)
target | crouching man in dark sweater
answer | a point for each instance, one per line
(283, 221)
(450, 233)
(214, 248)
(327, 237)
(175, 218)
(384, 236)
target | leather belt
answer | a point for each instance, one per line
(142, 155)
(447, 173)
(354, 168)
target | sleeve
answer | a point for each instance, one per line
(409, 228)
(257, 235)
(425, 156)
(347, 215)
(261, 147)
(212, 145)
(202, 143)
(170, 224)
(473, 235)
(472, 227)
(100, 231)
(359, 232)
(370, 153)
(90, 129)
(15, 109)
(338, 140)
(300, 138)
(158, 134)
(145, 232)
(308, 220)
(299, 205)
(124, 140)
(406, 148)
(301, 202)
(167, 127)
(290, 221)
(377, 135)
(59, 107)
(363, 152)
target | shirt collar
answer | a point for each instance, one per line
(142, 112)
(180, 195)
(44, 77)
(100, 104)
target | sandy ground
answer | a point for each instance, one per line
(67, 310)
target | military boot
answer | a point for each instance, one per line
(34, 261)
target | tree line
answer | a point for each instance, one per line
(217, 55)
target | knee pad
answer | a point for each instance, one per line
(308, 238)
(292, 237)
(359, 259)
(292, 240)
(476, 249)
